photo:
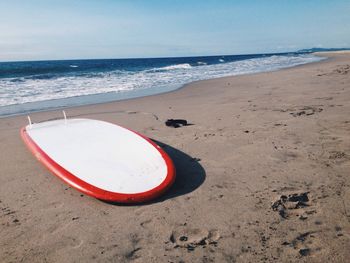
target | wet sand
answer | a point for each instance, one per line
(262, 176)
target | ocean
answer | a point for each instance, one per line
(42, 85)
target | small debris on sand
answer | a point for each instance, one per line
(304, 252)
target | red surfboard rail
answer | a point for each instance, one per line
(94, 191)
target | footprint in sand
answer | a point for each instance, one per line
(192, 238)
(287, 203)
(306, 110)
(8, 216)
(338, 156)
(302, 242)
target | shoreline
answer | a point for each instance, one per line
(262, 175)
(128, 97)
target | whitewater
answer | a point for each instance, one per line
(32, 86)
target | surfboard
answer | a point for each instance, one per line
(101, 159)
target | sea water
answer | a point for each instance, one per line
(41, 85)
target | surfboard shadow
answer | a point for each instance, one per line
(189, 173)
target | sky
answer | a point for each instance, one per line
(83, 29)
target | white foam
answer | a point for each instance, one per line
(24, 90)
(177, 66)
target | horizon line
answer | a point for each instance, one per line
(163, 57)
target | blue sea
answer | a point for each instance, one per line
(42, 85)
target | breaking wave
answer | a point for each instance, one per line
(52, 86)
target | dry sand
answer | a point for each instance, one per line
(262, 175)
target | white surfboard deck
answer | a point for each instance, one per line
(106, 156)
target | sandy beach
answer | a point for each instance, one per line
(262, 176)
